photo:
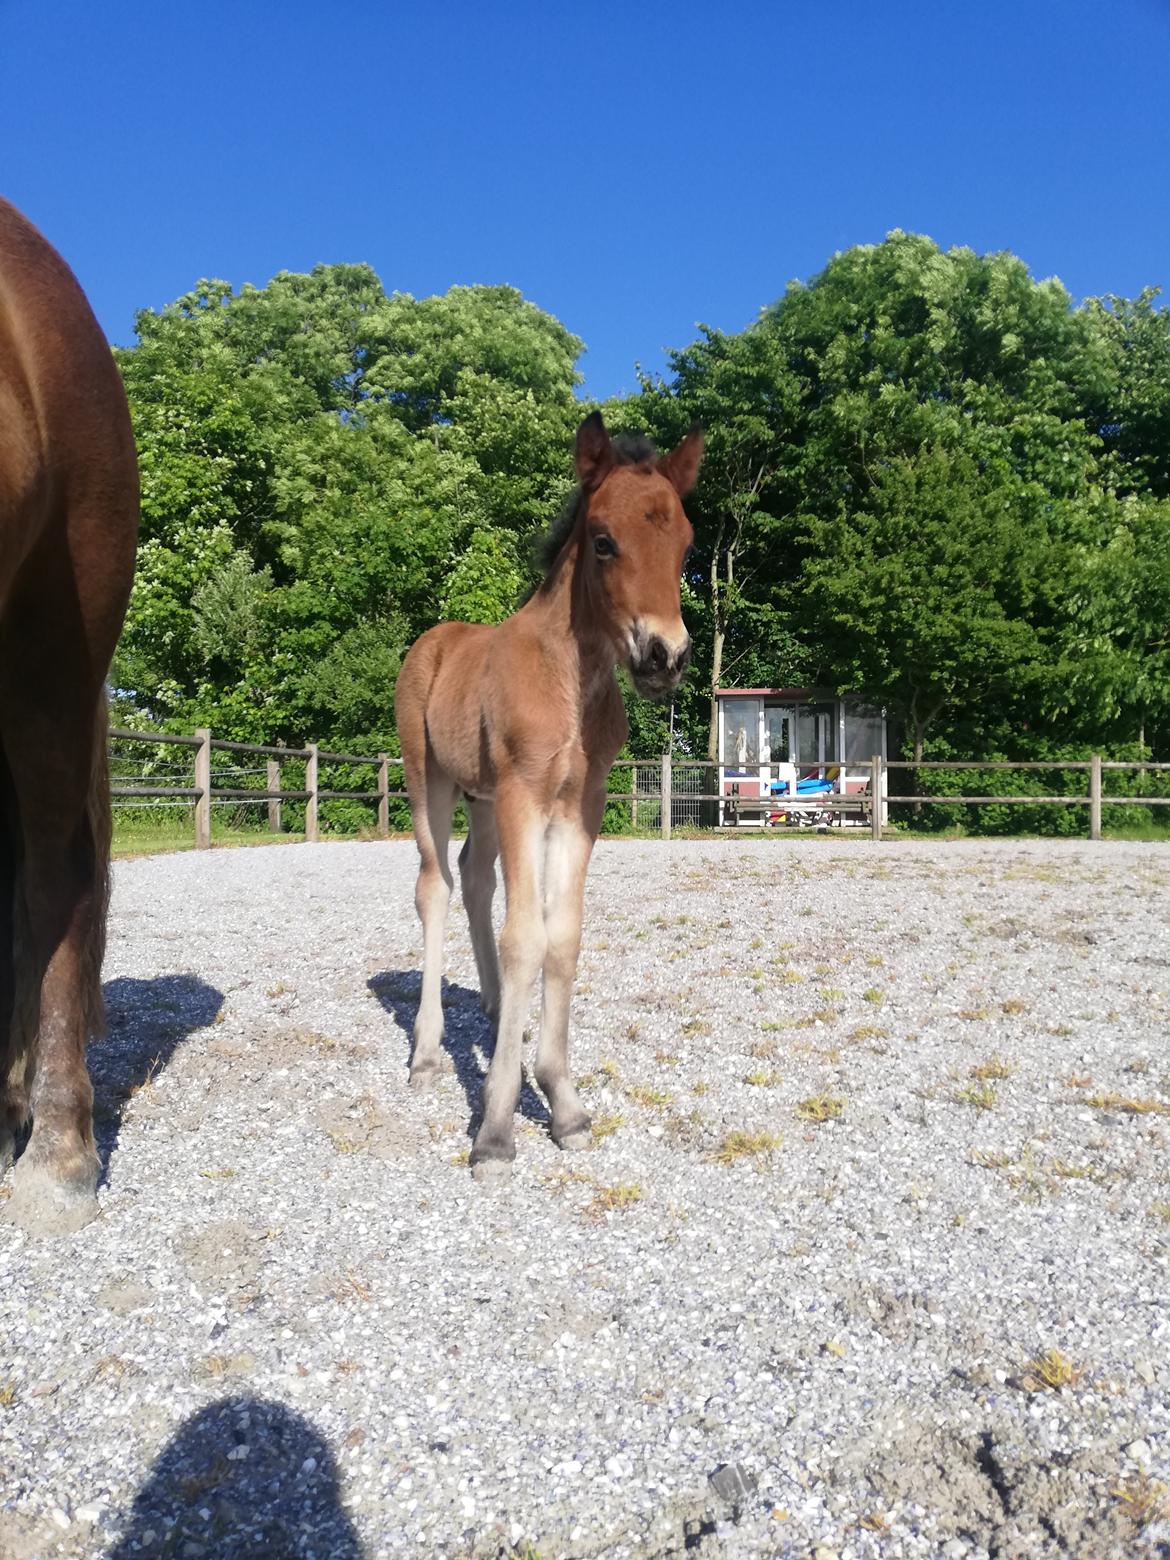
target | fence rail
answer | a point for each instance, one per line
(663, 791)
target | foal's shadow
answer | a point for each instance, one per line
(146, 1021)
(466, 1032)
(204, 1496)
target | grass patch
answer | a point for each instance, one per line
(745, 1145)
(1144, 1500)
(993, 1067)
(646, 1094)
(982, 1096)
(1051, 1371)
(819, 1108)
(606, 1126)
(613, 1199)
(1128, 1106)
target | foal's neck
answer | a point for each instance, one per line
(573, 631)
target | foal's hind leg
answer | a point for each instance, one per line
(477, 878)
(432, 895)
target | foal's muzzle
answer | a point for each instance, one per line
(656, 667)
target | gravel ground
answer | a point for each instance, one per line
(300, 1329)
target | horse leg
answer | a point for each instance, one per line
(521, 834)
(477, 878)
(567, 859)
(432, 895)
(13, 1100)
(53, 763)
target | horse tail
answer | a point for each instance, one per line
(100, 825)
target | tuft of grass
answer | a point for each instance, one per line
(1160, 1210)
(1128, 1106)
(745, 1145)
(7, 1394)
(1051, 1371)
(606, 1126)
(975, 1015)
(993, 1067)
(982, 1096)
(613, 1199)
(462, 1157)
(700, 1087)
(820, 1107)
(868, 1032)
(1013, 1005)
(608, 1068)
(1143, 1499)
(762, 1049)
(666, 1058)
(646, 1094)
(874, 995)
(696, 1026)
(217, 1175)
(762, 1080)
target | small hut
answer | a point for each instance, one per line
(795, 756)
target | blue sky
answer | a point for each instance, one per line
(634, 169)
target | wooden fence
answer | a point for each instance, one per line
(654, 787)
(203, 793)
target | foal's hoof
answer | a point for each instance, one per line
(491, 1172)
(579, 1137)
(426, 1075)
(42, 1205)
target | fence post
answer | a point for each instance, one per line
(875, 797)
(383, 796)
(1095, 797)
(203, 786)
(311, 787)
(634, 794)
(274, 804)
(666, 785)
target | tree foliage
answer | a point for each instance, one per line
(929, 477)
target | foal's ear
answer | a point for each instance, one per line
(681, 466)
(594, 454)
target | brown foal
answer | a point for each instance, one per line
(68, 528)
(524, 720)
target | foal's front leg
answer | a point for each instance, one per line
(521, 829)
(570, 842)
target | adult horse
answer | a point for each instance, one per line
(524, 720)
(68, 529)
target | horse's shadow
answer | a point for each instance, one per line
(280, 1496)
(146, 1021)
(467, 1033)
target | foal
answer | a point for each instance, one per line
(524, 720)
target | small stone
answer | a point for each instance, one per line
(43, 1389)
(732, 1482)
(309, 1465)
(238, 1453)
(1146, 1372)
(89, 1514)
(1139, 1451)
(61, 1518)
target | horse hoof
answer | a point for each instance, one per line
(427, 1076)
(580, 1137)
(491, 1172)
(42, 1205)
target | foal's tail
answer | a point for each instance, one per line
(20, 974)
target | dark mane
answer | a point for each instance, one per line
(629, 449)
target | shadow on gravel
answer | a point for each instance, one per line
(465, 1028)
(243, 1477)
(146, 1021)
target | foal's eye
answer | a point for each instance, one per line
(604, 547)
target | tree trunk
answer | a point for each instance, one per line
(716, 672)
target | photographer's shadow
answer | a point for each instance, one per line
(244, 1477)
(467, 1031)
(146, 1022)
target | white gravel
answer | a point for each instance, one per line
(300, 1329)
